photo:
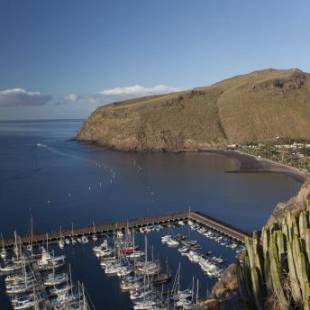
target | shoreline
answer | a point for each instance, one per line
(251, 164)
(246, 163)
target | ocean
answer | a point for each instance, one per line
(48, 176)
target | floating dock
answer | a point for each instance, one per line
(100, 229)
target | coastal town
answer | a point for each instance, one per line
(294, 153)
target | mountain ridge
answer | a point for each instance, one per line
(254, 107)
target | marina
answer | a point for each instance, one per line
(39, 274)
(94, 230)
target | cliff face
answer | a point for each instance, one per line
(250, 108)
(295, 204)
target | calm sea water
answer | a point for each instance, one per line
(63, 182)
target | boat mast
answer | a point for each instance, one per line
(176, 282)
(127, 234)
(36, 302)
(145, 244)
(197, 292)
(193, 288)
(94, 229)
(47, 242)
(179, 277)
(25, 275)
(70, 280)
(84, 297)
(53, 266)
(16, 246)
(31, 234)
(133, 238)
(20, 247)
(2, 241)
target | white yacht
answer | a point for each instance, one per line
(61, 244)
(172, 243)
(148, 268)
(84, 239)
(144, 305)
(9, 268)
(113, 268)
(165, 239)
(135, 254)
(25, 302)
(124, 271)
(102, 246)
(48, 261)
(54, 279)
(60, 289)
(3, 253)
(141, 294)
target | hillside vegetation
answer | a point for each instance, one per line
(255, 107)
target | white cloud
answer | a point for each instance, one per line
(91, 99)
(72, 97)
(123, 93)
(138, 90)
(22, 97)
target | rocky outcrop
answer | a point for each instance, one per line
(295, 81)
(227, 285)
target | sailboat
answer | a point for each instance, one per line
(24, 284)
(53, 279)
(73, 241)
(84, 239)
(30, 246)
(131, 283)
(27, 301)
(3, 252)
(94, 237)
(16, 249)
(67, 241)
(61, 241)
(147, 267)
(48, 261)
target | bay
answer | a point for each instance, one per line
(46, 175)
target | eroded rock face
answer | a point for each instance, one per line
(295, 81)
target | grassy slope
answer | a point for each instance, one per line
(255, 107)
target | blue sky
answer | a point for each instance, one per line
(63, 58)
